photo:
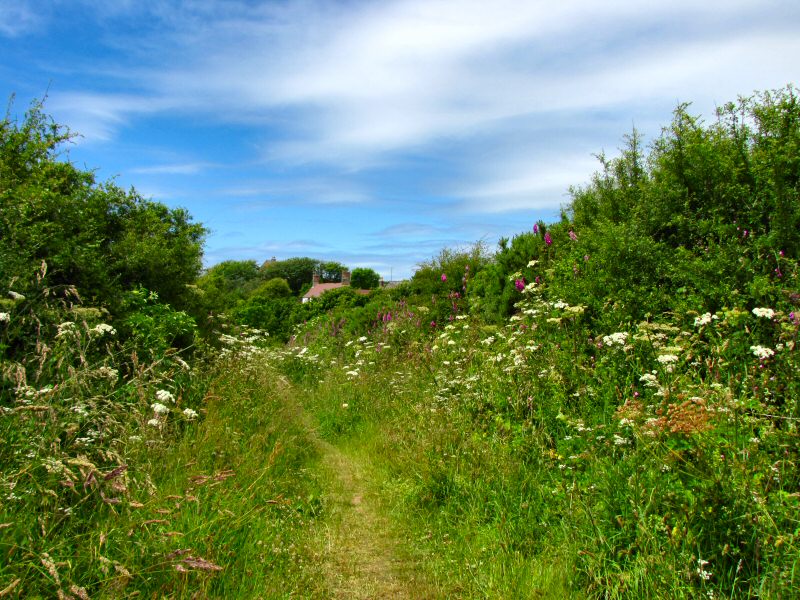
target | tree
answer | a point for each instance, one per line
(296, 271)
(299, 271)
(96, 237)
(364, 279)
(272, 289)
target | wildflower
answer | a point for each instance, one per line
(547, 239)
(165, 396)
(189, 413)
(159, 408)
(649, 380)
(4, 317)
(520, 284)
(701, 570)
(444, 277)
(703, 319)
(104, 328)
(585, 258)
(108, 372)
(154, 423)
(573, 236)
(766, 313)
(617, 339)
(762, 352)
(666, 359)
(15, 296)
(345, 405)
(533, 262)
(535, 228)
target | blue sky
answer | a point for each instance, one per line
(376, 133)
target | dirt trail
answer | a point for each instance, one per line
(362, 555)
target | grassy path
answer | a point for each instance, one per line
(363, 558)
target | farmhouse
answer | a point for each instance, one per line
(317, 288)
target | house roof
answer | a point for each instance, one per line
(320, 288)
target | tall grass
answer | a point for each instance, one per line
(546, 458)
(122, 477)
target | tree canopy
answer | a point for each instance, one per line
(364, 279)
(94, 236)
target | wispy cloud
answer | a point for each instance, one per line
(18, 18)
(174, 169)
(348, 83)
(423, 122)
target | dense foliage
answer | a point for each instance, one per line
(606, 407)
(95, 237)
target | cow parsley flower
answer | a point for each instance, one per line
(616, 339)
(704, 319)
(666, 359)
(104, 328)
(762, 352)
(159, 408)
(15, 295)
(165, 396)
(766, 313)
(5, 317)
(154, 423)
(189, 413)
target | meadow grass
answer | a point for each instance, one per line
(220, 504)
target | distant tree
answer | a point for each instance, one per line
(272, 289)
(330, 271)
(299, 271)
(296, 271)
(226, 284)
(364, 279)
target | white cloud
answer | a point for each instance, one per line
(348, 83)
(18, 18)
(173, 169)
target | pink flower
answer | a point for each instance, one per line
(535, 228)
(547, 239)
(573, 236)
(520, 284)
(444, 277)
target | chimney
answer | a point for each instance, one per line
(345, 277)
(315, 279)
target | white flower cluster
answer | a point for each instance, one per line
(649, 380)
(616, 339)
(766, 313)
(104, 328)
(15, 295)
(65, 328)
(159, 408)
(165, 396)
(667, 359)
(704, 319)
(762, 352)
(108, 373)
(189, 413)
(4, 317)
